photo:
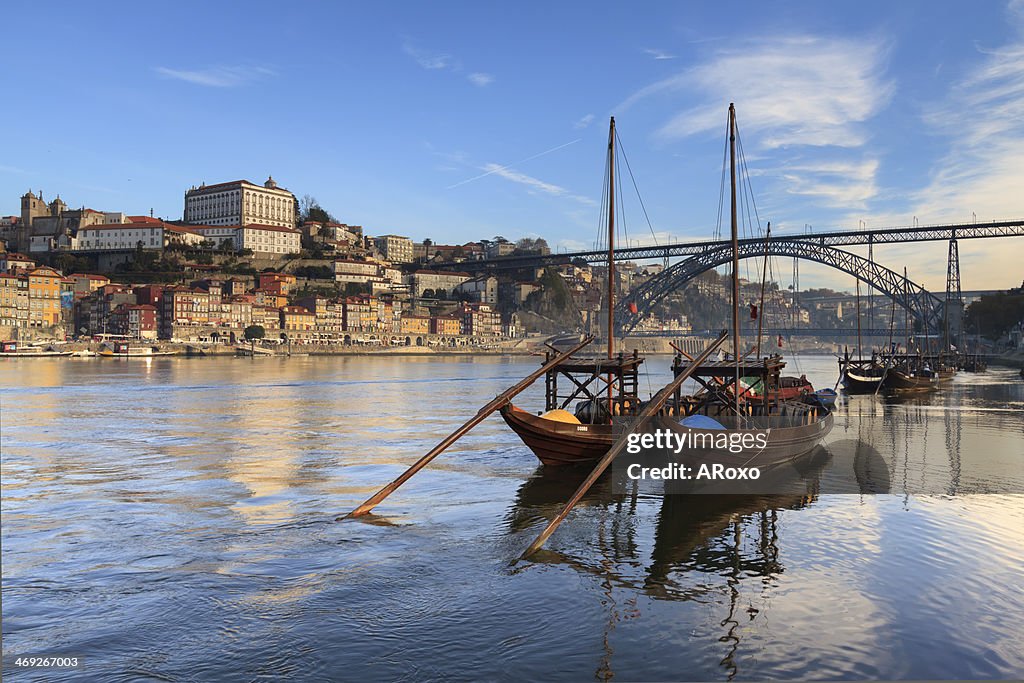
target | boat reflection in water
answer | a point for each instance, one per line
(655, 544)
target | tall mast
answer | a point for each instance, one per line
(764, 278)
(735, 258)
(611, 239)
(860, 353)
(906, 309)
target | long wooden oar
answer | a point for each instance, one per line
(641, 420)
(498, 402)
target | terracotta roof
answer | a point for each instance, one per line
(45, 269)
(90, 276)
(143, 219)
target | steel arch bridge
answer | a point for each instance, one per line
(926, 308)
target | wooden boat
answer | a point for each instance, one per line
(905, 379)
(794, 427)
(558, 437)
(607, 389)
(861, 375)
(856, 383)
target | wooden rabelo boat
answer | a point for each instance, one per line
(606, 391)
(560, 437)
(794, 427)
(909, 373)
(861, 375)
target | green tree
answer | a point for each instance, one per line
(252, 333)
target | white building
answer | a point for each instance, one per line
(378, 276)
(268, 239)
(394, 248)
(130, 235)
(240, 203)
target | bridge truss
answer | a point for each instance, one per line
(926, 308)
(839, 238)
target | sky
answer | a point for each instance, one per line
(460, 121)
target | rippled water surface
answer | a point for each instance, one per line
(172, 519)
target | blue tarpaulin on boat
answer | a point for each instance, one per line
(701, 422)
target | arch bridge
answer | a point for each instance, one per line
(927, 309)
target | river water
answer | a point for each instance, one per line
(172, 519)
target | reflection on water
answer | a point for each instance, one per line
(171, 519)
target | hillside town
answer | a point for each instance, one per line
(249, 260)
(246, 255)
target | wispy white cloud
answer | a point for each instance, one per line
(796, 90)
(983, 171)
(658, 54)
(535, 184)
(442, 61)
(839, 184)
(490, 169)
(217, 76)
(796, 96)
(584, 122)
(428, 60)
(981, 175)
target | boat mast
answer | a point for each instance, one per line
(860, 352)
(611, 240)
(764, 279)
(735, 258)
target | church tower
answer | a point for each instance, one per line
(32, 207)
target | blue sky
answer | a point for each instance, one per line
(457, 121)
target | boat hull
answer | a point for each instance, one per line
(559, 443)
(901, 382)
(856, 383)
(784, 444)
